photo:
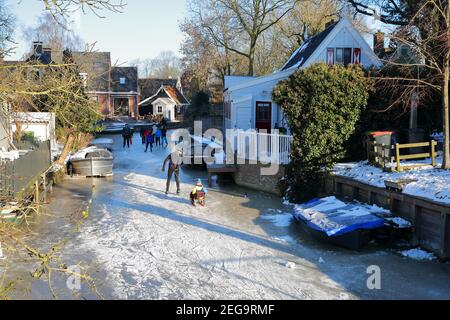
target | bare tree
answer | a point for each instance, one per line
(423, 28)
(245, 21)
(7, 24)
(55, 35)
(166, 65)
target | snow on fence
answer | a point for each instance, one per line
(263, 147)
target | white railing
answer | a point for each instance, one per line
(263, 147)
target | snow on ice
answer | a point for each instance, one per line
(418, 254)
(431, 183)
(279, 220)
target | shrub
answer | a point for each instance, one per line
(322, 105)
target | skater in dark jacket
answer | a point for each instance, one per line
(127, 135)
(175, 161)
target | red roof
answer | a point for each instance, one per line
(176, 95)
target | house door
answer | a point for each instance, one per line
(263, 116)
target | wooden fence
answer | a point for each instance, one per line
(382, 155)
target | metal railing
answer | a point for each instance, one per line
(17, 175)
(263, 147)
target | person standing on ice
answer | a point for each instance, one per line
(175, 161)
(127, 136)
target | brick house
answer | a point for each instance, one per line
(114, 88)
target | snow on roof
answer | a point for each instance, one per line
(302, 54)
(231, 81)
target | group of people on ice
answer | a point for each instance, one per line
(155, 135)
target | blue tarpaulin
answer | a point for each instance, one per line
(334, 217)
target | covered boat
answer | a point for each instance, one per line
(345, 224)
(103, 143)
(92, 162)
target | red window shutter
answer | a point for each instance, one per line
(330, 56)
(357, 56)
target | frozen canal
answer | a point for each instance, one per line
(142, 244)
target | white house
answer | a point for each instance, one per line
(41, 124)
(248, 100)
(168, 102)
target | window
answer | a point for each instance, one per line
(344, 56)
(339, 56)
(263, 111)
(160, 109)
(123, 80)
(347, 56)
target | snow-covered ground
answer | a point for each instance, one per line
(242, 245)
(428, 182)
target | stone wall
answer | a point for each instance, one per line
(249, 175)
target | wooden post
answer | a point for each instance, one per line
(433, 152)
(44, 186)
(397, 155)
(36, 195)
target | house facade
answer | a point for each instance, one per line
(114, 88)
(248, 100)
(169, 102)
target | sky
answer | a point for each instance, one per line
(143, 30)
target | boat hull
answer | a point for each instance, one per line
(93, 167)
(354, 240)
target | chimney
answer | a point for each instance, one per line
(38, 45)
(48, 53)
(378, 43)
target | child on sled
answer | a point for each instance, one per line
(199, 194)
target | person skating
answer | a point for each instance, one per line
(175, 161)
(149, 139)
(158, 137)
(126, 134)
(164, 137)
(142, 132)
(199, 193)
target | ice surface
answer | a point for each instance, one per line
(418, 254)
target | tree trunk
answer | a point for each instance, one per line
(251, 59)
(67, 148)
(445, 107)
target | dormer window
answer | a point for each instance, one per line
(343, 56)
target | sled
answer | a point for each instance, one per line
(200, 197)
